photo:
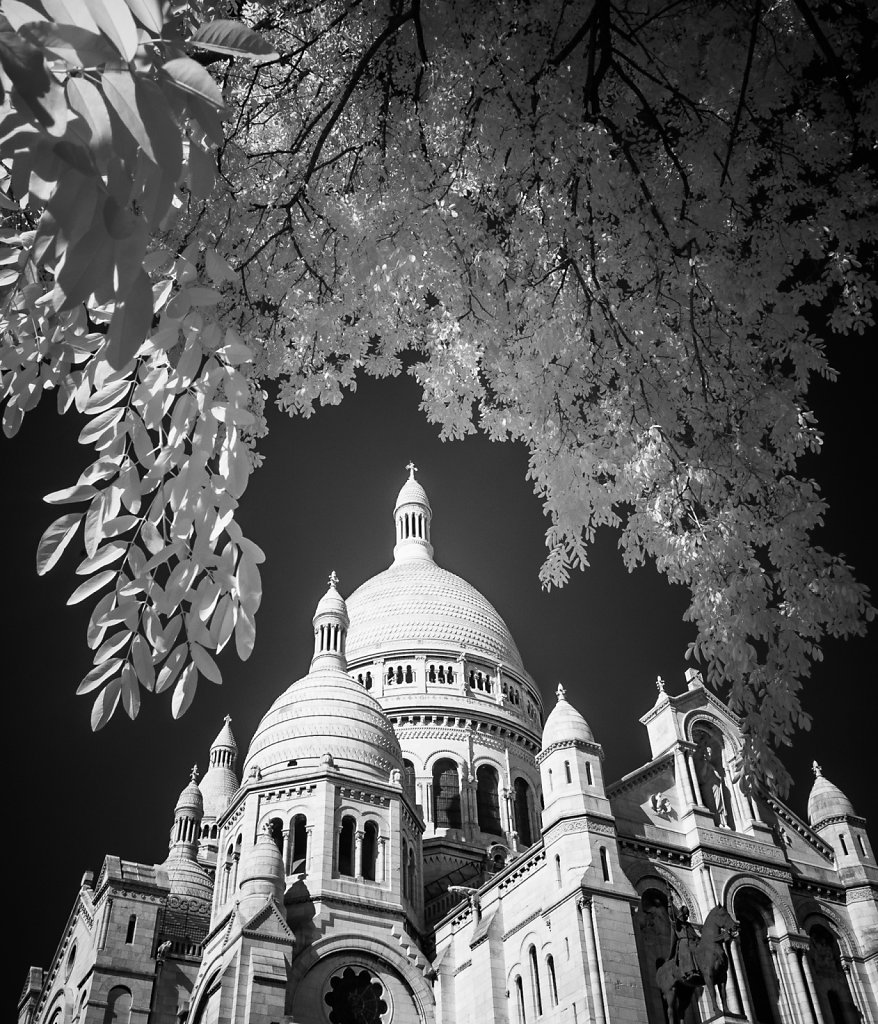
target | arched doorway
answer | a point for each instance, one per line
(830, 981)
(755, 915)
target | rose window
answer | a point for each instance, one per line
(356, 996)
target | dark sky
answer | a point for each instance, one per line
(323, 501)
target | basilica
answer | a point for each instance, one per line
(412, 838)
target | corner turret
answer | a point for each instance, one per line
(412, 516)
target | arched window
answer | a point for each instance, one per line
(588, 776)
(404, 870)
(370, 850)
(118, 1009)
(236, 864)
(605, 864)
(446, 794)
(411, 873)
(553, 983)
(535, 981)
(558, 870)
(522, 812)
(862, 843)
(132, 928)
(408, 779)
(346, 846)
(519, 1000)
(298, 845)
(228, 870)
(844, 845)
(567, 774)
(276, 831)
(488, 799)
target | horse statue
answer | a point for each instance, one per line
(695, 962)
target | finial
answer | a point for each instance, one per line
(561, 692)
(228, 720)
(333, 579)
(412, 468)
(660, 684)
(193, 775)
(818, 771)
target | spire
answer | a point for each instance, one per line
(330, 628)
(188, 812)
(224, 749)
(412, 515)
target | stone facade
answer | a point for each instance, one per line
(414, 842)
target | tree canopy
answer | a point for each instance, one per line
(619, 232)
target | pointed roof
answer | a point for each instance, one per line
(332, 603)
(565, 723)
(224, 737)
(190, 800)
(826, 800)
(411, 492)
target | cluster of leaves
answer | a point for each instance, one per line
(110, 121)
(616, 234)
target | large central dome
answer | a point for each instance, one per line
(415, 600)
(417, 605)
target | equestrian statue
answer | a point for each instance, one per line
(696, 961)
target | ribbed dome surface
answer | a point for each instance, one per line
(217, 787)
(191, 800)
(186, 878)
(411, 493)
(326, 712)
(418, 603)
(826, 800)
(564, 724)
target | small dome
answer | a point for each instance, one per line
(218, 787)
(326, 712)
(411, 492)
(565, 723)
(225, 738)
(332, 603)
(187, 878)
(826, 800)
(190, 802)
(262, 874)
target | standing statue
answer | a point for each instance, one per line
(696, 961)
(712, 781)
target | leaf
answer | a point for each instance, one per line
(107, 396)
(190, 77)
(171, 668)
(97, 675)
(106, 555)
(132, 320)
(115, 21)
(234, 38)
(142, 661)
(96, 628)
(184, 691)
(96, 426)
(78, 492)
(148, 13)
(205, 663)
(19, 13)
(106, 703)
(120, 524)
(86, 265)
(245, 634)
(88, 101)
(121, 95)
(70, 12)
(249, 583)
(151, 538)
(111, 645)
(130, 692)
(223, 623)
(77, 46)
(88, 588)
(55, 539)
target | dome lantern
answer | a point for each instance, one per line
(412, 515)
(330, 628)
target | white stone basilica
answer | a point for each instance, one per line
(411, 841)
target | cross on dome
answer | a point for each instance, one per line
(818, 771)
(193, 775)
(660, 684)
(412, 468)
(333, 579)
(561, 693)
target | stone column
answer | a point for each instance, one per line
(586, 907)
(857, 994)
(287, 851)
(812, 990)
(428, 803)
(381, 873)
(421, 676)
(795, 982)
(358, 853)
(309, 846)
(787, 1007)
(682, 772)
(741, 976)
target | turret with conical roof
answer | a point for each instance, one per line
(261, 874)
(330, 629)
(185, 875)
(412, 515)
(218, 786)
